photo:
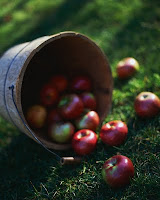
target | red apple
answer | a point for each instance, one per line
(81, 84)
(147, 104)
(84, 141)
(70, 106)
(127, 67)
(60, 82)
(49, 95)
(88, 121)
(89, 100)
(113, 133)
(61, 132)
(53, 116)
(36, 116)
(117, 171)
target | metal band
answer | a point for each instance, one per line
(31, 132)
(6, 81)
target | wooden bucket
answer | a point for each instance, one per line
(28, 65)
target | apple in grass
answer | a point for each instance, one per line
(117, 171)
(89, 100)
(147, 104)
(61, 132)
(49, 95)
(114, 133)
(36, 116)
(88, 121)
(70, 106)
(127, 67)
(84, 141)
(80, 84)
(60, 82)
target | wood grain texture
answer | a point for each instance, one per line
(77, 52)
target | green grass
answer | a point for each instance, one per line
(121, 28)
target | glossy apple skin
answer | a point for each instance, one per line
(89, 100)
(114, 133)
(60, 82)
(84, 141)
(49, 95)
(147, 104)
(70, 106)
(61, 132)
(36, 116)
(117, 171)
(88, 121)
(53, 116)
(80, 84)
(127, 67)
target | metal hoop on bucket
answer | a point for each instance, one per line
(62, 160)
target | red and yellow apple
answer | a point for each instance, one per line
(84, 141)
(36, 116)
(80, 84)
(61, 132)
(127, 67)
(117, 171)
(89, 100)
(70, 106)
(114, 133)
(60, 82)
(88, 121)
(147, 104)
(49, 95)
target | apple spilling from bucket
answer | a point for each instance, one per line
(67, 110)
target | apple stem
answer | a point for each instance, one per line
(83, 134)
(145, 96)
(63, 102)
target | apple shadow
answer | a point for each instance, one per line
(120, 83)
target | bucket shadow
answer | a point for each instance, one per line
(25, 165)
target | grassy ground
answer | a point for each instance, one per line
(121, 28)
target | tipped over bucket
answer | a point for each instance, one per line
(28, 65)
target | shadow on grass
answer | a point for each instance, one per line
(118, 83)
(24, 165)
(45, 23)
(138, 39)
(51, 21)
(139, 35)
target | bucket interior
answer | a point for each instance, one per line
(69, 55)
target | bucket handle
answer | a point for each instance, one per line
(62, 160)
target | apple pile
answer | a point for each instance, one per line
(67, 112)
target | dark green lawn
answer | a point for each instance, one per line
(121, 28)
